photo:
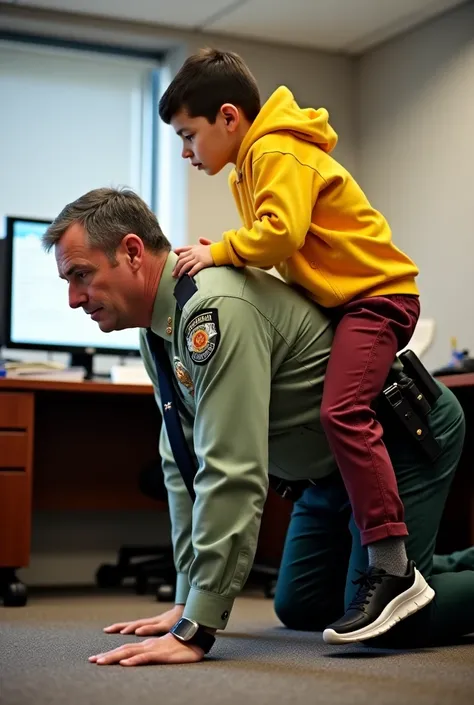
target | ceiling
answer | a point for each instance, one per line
(348, 26)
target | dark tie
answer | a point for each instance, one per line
(170, 403)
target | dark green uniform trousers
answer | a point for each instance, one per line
(323, 552)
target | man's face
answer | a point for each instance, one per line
(209, 147)
(105, 291)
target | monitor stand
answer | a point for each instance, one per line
(83, 360)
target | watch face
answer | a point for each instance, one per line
(185, 629)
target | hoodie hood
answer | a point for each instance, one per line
(281, 112)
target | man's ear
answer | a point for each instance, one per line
(231, 116)
(133, 249)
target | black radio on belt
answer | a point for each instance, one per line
(414, 369)
(411, 396)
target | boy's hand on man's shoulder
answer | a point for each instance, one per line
(193, 258)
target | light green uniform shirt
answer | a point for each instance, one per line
(249, 355)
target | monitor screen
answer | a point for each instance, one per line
(3, 289)
(39, 314)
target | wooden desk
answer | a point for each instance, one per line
(456, 382)
(70, 445)
(82, 445)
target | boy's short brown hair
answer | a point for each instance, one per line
(206, 81)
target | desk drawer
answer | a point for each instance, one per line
(13, 450)
(16, 410)
(15, 519)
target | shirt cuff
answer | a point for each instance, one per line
(220, 254)
(182, 588)
(208, 609)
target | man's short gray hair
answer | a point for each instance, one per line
(107, 215)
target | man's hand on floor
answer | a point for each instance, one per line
(165, 649)
(161, 624)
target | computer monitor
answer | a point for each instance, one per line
(38, 316)
(3, 289)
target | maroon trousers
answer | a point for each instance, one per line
(369, 334)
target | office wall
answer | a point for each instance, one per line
(415, 160)
(68, 548)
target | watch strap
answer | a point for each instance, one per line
(201, 637)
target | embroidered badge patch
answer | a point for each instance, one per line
(203, 335)
(183, 376)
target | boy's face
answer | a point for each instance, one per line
(209, 147)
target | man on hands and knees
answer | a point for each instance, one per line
(241, 337)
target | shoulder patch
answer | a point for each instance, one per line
(202, 335)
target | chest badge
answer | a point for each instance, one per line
(183, 376)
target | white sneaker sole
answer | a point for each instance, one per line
(412, 600)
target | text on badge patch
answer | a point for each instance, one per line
(203, 335)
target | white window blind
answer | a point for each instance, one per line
(71, 121)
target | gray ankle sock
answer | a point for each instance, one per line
(389, 554)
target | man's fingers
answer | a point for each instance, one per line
(130, 628)
(115, 627)
(126, 627)
(103, 654)
(138, 660)
(150, 629)
(122, 652)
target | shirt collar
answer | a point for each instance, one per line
(164, 309)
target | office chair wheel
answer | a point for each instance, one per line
(269, 589)
(15, 595)
(165, 593)
(108, 576)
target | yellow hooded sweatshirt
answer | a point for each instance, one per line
(304, 213)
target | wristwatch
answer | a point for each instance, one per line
(190, 632)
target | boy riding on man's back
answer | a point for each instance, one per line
(303, 213)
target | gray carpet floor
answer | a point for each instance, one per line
(44, 648)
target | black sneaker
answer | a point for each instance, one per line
(381, 601)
